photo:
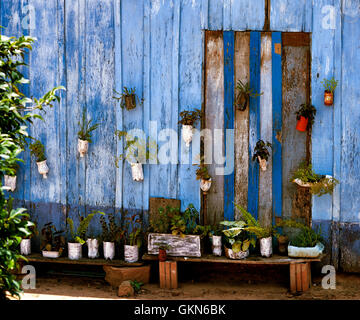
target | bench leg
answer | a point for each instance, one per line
(168, 275)
(300, 277)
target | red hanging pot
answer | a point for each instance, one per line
(328, 98)
(162, 255)
(302, 124)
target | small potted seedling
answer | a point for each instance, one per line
(84, 135)
(128, 98)
(37, 150)
(330, 86)
(203, 175)
(10, 177)
(111, 233)
(53, 242)
(133, 238)
(261, 153)
(244, 92)
(305, 116)
(188, 121)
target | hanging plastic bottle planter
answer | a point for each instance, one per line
(330, 86)
(37, 149)
(188, 121)
(84, 134)
(261, 154)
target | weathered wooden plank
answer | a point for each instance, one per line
(162, 276)
(295, 89)
(229, 39)
(298, 277)
(277, 126)
(215, 8)
(305, 276)
(293, 277)
(173, 275)
(288, 15)
(242, 72)
(214, 117)
(227, 14)
(254, 122)
(247, 15)
(266, 125)
(188, 246)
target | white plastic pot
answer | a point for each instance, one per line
(187, 134)
(262, 163)
(83, 146)
(131, 253)
(51, 254)
(25, 247)
(205, 185)
(10, 182)
(297, 252)
(43, 168)
(93, 248)
(216, 246)
(266, 247)
(137, 171)
(307, 184)
(109, 250)
(74, 251)
(236, 255)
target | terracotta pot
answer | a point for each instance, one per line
(130, 102)
(328, 98)
(162, 255)
(302, 124)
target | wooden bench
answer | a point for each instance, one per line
(300, 269)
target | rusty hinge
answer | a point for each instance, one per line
(277, 48)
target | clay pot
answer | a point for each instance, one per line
(83, 146)
(130, 102)
(266, 247)
(43, 168)
(162, 255)
(187, 134)
(205, 185)
(137, 171)
(74, 251)
(10, 182)
(302, 124)
(328, 98)
(25, 247)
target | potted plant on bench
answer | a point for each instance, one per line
(319, 185)
(37, 150)
(177, 230)
(84, 135)
(244, 92)
(261, 153)
(330, 86)
(305, 116)
(111, 233)
(133, 238)
(188, 121)
(53, 242)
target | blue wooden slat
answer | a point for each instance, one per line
(277, 126)
(247, 15)
(228, 118)
(254, 122)
(215, 8)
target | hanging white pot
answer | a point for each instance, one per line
(43, 168)
(131, 253)
(10, 182)
(236, 255)
(25, 247)
(93, 248)
(83, 146)
(262, 163)
(216, 246)
(205, 185)
(137, 171)
(266, 247)
(74, 251)
(109, 250)
(187, 134)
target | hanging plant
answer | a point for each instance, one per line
(37, 150)
(330, 86)
(305, 117)
(261, 153)
(128, 98)
(203, 175)
(10, 177)
(84, 135)
(242, 97)
(188, 121)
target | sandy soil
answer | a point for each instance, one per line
(70, 288)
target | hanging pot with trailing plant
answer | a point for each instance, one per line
(84, 134)
(261, 154)
(37, 149)
(305, 116)
(203, 175)
(188, 121)
(243, 94)
(330, 86)
(128, 98)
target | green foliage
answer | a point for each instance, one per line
(37, 150)
(190, 118)
(204, 231)
(162, 222)
(128, 98)
(86, 128)
(9, 152)
(202, 172)
(320, 184)
(79, 235)
(236, 236)
(261, 150)
(52, 239)
(111, 232)
(133, 230)
(136, 285)
(307, 110)
(330, 85)
(244, 92)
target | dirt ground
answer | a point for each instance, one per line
(50, 287)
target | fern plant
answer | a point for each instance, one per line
(111, 232)
(128, 98)
(244, 92)
(79, 235)
(86, 128)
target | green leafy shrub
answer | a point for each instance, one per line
(79, 235)
(37, 150)
(111, 232)
(236, 237)
(136, 285)
(86, 128)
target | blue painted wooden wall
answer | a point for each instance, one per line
(94, 46)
